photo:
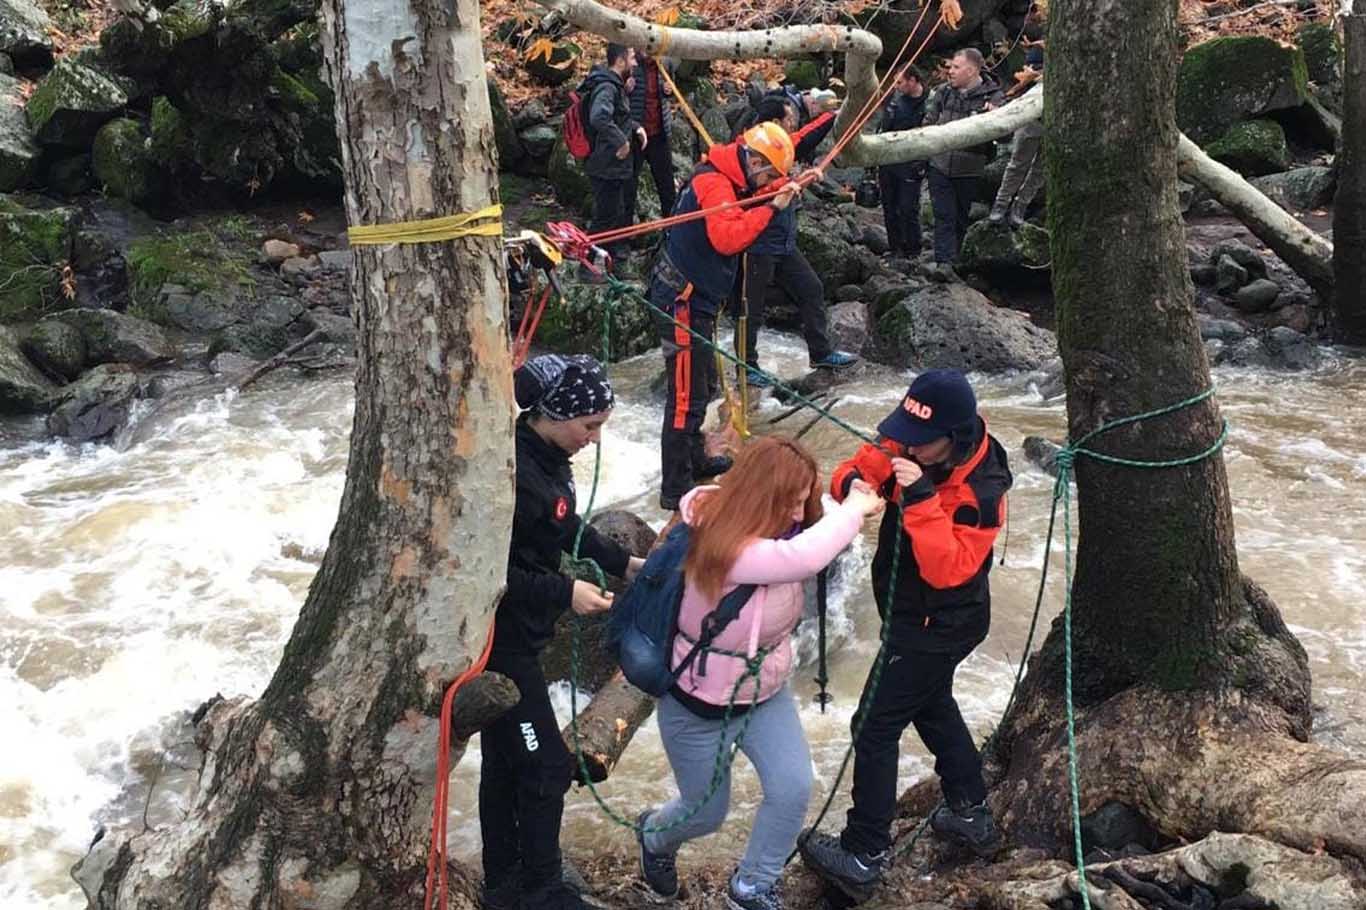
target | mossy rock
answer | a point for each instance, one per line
(1235, 78)
(510, 150)
(573, 324)
(995, 249)
(71, 103)
(23, 390)
(34, 246)
(19, 153)
(57, 348)
(171, 144)
(123, 164)
(572, 187)
(1254, 148)
(1322, 51)
(117, 337)
(195, 260)
(805, 73)
(24, 33)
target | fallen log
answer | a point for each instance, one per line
(606, 726)
(479, 703)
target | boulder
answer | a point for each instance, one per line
(572, 189)
(34, 246)
(1114, 826)
(996, 250)
(191, 311)
(1229, 275)
(1253, 148)
(953, 326)
(338, 329)
(1043, 453)
(299, 268)
(23, 390)
(847, 292)
(24, 34)
(538, 142)
(1242, 254)
(1230, 79)
(1291, 350)
(1257, 297)
(263, 332)
(1220, 329)
(509, 146)
(71, 103)
(1300, 189)
(277, 251)
(229, 363)
(1203, 274)
(335, 260)
(71, 176)
(6, 65)
(533, 113)
(824, 244)
(574, 323)
(849, 326)
(56, 348)
(122, 162)
(19, 153)
(1322, 51)
(96, 405)
(875, 239)
(118, 338)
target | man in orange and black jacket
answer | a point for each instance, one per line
(945, 478)
(694, 275)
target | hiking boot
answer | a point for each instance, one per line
(504, 895)
(968, 826)
(756, 380)
(555, 896)
(714, 466)
(835, 360)
(856, 874)
(997, 215)
(737, 899)
(660, 870)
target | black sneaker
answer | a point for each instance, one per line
(759, 900)
(555, 896)
(714, 466)
(660, 870)
(856, 874)
(968, 826)
(503, 895)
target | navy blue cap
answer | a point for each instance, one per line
(936, 404)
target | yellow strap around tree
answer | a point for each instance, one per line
(431, 230)
(683, 102)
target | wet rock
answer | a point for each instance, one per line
(1299, 189)
(1204, 274)
(230, 363)
(875, 239)
(626, 529)
(1229, 275)
(96, 405)
(1254, 148)
(71, 103)
(1043, 453)
(117, 338)
(264, 332)
(1257, 297)
(19, 153)
(1291, 350)
(1299, 317)
(335, 260)
(1222, 329)
(993, 249)
(277, 251)
(1114, 826)
(822, 241)
(71, 176)
(202, 311)
(849, 326)
(122, 161)
(1231, 79)
(34, 245)
(25, 34)
(575, 324)
(1242, 254)
(953, 326)
(338, 329)
(56, 348)
(23, 390)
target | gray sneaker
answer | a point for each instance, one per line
(968, 826)
(856, 874)
(660, 870)
(759, 900)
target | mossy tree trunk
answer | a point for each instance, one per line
(1349, 214)
(319, 794)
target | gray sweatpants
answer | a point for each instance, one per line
(775, 744)
(1025, 171)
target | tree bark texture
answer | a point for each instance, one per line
(1349, 214)
(319, 794)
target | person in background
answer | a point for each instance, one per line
(945, 479)
(901, 182)
(774, 257)
(956, 175)
(762, 526)
(526, 768)
(1025, 172)
(612, 132)
(650, 108)
(693, 276)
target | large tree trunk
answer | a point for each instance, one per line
(1349, 216)
(319, 794)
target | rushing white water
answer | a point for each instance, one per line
(137, 583)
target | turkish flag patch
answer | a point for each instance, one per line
(561, 508)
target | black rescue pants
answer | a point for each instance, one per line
(661, 169)
(795, 278)
(901, 209)
(916, 688)
(690, 368)
(610, 212)
(525, 773)
(952, 199)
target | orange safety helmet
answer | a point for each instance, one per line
(771, 141)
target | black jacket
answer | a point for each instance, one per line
(638, 91)
(544, 524)
(948, 104)
(904, 113)
(609, 124)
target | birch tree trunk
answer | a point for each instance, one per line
(319, 793)
(1349, 214)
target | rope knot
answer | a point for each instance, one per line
(1065, 458)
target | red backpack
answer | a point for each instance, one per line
(576, 126)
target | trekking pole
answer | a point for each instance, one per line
(742, 348)
(822, 675)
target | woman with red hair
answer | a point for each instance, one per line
(762, 526)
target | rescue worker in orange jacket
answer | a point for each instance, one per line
(692, 278)
(945, 478)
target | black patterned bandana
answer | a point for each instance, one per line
(563, 386)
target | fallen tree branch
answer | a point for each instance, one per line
(1243, 12)
(280, 359)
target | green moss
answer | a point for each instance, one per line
(34, 245)
(1233, 78)
(123, 162)
(196, 260)
(86, 95)
(1253, 149)
(185, 20)
(292, 91)
(171, 144)
(804, 74)
(1322, 52)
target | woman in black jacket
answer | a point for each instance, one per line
(526, 768)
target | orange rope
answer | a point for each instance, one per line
(437, 864)
(521, 344)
